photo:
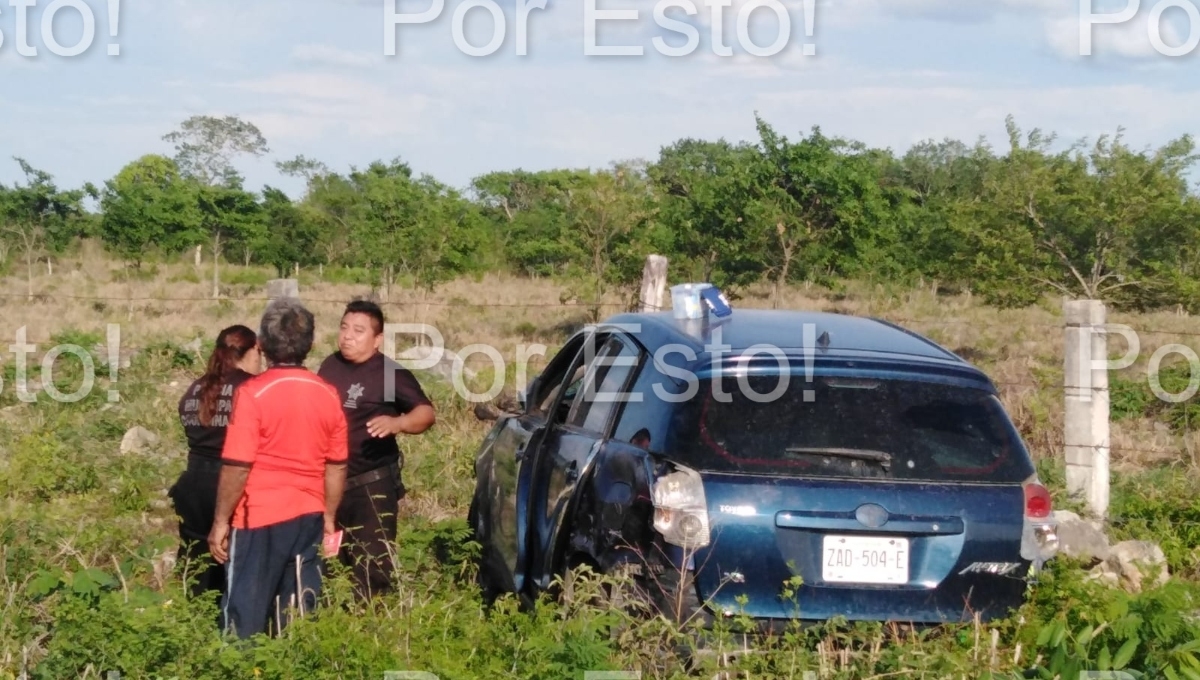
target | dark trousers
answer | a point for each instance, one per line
(367, 516)
(194, 496)
(274, 573)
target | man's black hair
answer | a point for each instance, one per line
(370, 309)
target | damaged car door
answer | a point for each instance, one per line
(505, 472)
(582, 422)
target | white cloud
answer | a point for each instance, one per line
(13, 62)
(222, 22)
(744, 65)
(887, 12)
(305, 106)
(456, 116)
(326, 55)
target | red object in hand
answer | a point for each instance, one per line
(333, 543)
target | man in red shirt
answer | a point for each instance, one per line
(282, 476)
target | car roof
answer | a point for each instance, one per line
(836, 334)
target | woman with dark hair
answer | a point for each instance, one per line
(204, 411)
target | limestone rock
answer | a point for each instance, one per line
(195, 345)
(138, 439)
(1130, 563)
(1081, 539)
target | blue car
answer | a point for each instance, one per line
(721, 462)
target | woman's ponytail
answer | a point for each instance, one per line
(232, 345)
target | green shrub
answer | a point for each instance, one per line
(1132, 396)
(42, 468)
(1162, 506)
(254, 278)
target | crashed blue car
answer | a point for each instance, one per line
(717, 460)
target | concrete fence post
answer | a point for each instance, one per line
(277, 288)
(654, 283)
(1085, 388)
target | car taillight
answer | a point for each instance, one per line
(1037, 500)
(1039, 535)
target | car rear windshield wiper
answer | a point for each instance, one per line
(861, 454)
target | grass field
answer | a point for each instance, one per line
(87, 585)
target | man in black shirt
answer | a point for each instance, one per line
(377, 409)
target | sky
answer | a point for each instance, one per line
(316, 78)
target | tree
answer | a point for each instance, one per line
(605, 211)
(39, 218)
(290, 236)
(703, 191)
(820, 203)
(939, 185)
(419, 226)
(333, 204)
(228, 214)
(526, 214)
(301, 166)
(205, 147)
(1077, 221)
(148, 204)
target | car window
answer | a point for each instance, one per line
(893, 429)
(569, 395)
(645, 418)
(602, 386)
(552, 379)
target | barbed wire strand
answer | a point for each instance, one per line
(43, 297)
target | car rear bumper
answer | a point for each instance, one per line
(986, 596)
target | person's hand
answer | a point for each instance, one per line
(384, 426)
(331, 543)
(218, 542)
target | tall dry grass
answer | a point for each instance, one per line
(1020, 349)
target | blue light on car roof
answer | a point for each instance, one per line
(716, 302)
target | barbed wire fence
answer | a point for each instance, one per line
(1084, 443)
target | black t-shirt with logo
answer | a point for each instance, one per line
(363, 389)
(207, 441)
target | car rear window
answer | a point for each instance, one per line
(886, 428)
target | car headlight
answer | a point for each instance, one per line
(680, 509)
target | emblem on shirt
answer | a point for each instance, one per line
(352, 395)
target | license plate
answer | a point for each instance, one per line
(864, 559)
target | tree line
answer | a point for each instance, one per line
(1095, 219)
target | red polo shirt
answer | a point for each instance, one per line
(287, 423)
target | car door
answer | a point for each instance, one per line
(511, 473)
(571, 441)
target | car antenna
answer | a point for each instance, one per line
(823, 340)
